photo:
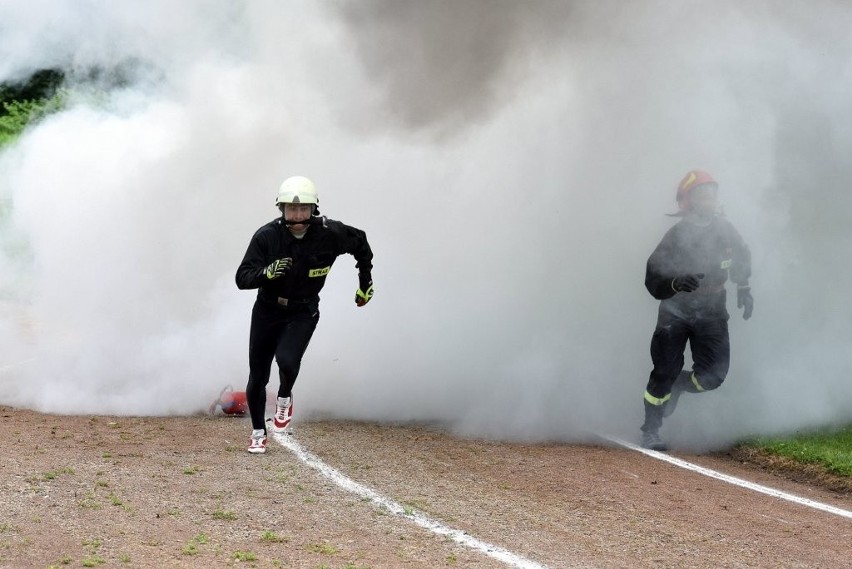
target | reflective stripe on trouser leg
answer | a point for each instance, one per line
(654, 412)
(708, 382)
(657, 401)
(694, 379)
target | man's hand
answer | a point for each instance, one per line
(278, 268)
(362, 296)
(686, 283)
(744, 300)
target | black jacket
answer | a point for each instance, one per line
(717, 250)
(313, 256)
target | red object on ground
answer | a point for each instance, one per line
(231, 402)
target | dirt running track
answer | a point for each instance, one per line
(182, 492)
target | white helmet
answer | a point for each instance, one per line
(297, 189)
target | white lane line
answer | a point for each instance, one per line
(507, 557)
(734, 480)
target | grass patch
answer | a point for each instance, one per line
(54, 474)
(323, 548)
(411, 507)
(224, 515)
(94, 544)
(90, 501)
(821, 457)
(116, 501)
(830, 448)
(272, 537)
(190, 549)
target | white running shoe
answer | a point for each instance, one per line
(283, 414)
(257, 442)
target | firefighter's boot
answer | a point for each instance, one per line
(651, 427)
(651, 440)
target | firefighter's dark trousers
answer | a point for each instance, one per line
(283, 333)
(711, 356)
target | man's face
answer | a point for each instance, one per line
(702, 200)
(296, 212)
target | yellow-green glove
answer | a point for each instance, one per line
(362, 297)
(278, 268)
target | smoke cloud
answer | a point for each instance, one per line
(510, 164)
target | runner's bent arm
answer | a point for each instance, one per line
(250, 272)
(659, 271)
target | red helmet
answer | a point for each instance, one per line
(234, 403)
(230, 402)
(693, 179)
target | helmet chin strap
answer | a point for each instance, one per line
(313, 220)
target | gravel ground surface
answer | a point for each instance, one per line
(182, 492)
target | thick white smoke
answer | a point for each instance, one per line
(510, 166)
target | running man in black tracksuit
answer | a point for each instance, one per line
(287, 261)
(687, 272)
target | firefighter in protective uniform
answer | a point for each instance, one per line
(287, 260)
(687, 273)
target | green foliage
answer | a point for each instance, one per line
(27, 101)
(830, 448)
(42, 84)
(16, 118)
(21, 113)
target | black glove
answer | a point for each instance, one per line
(744, 300)
(686, 283)
(277, 268)
(365, 290)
